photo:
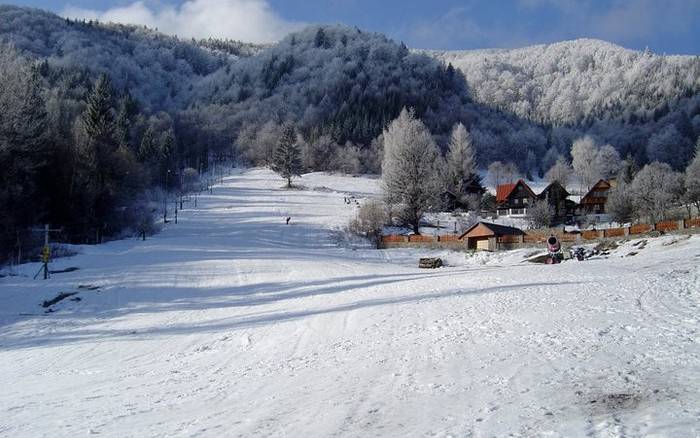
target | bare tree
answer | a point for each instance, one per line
(561, 172)
(411, 168)
(511, 172)
(496, 173)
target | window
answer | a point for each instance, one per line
(515, 201)
(525, 201)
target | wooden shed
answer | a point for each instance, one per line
(483, 236)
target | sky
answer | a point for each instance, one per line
(664, 26)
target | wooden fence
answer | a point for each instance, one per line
(537, 236)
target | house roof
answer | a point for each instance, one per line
(550, 186)
(588, 198)
(504, 191)
(498, 230)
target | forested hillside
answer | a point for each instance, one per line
(644, 104)
(96, 116)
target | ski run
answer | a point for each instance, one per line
(232, 323)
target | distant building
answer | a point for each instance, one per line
(593, 202)
(454, 200)
(483, 236)
(556, 195)
(513, 200)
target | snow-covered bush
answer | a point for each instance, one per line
(371, 218)
(541, 213)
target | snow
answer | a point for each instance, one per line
(232, 323)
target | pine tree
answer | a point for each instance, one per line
(98, 119)
(147, 148)
(102, 177)
(121, 133)
(287, 157)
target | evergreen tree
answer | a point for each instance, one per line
(168, 159)
(147, 148)
(287, 157)
(100, 148)
(23, 151)
(98, 118)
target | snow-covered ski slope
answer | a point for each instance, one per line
(232, 323)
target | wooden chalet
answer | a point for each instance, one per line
(593, 203)
(556, 195)
(483, 236)
(454, 200)
(514, 199)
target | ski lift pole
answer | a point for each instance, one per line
(46, 251)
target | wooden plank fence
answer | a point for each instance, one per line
(614, 232)
(692, 223)
(540, 236)
(640, 228)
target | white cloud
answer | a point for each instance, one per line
(245, 20)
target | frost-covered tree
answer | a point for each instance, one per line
(461, 158)
(496, 173)
(668, 145)
(371, 218)
(287, 157)
(584, 154)
(656, 188)
(511, 172)
(411, 169)
(347, 160)
(550, 158)
(608, 161)
(561, 172)
(620, 204)
(541, 213)
(24, 146)
(692, 180)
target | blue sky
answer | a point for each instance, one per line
(665, 26)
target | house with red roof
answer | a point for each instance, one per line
(514, 199)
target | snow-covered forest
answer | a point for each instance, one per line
(166, 105)
(644, 104)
